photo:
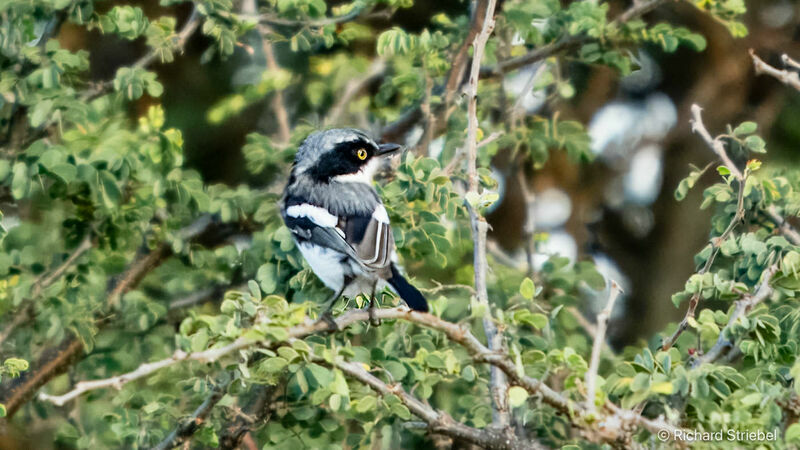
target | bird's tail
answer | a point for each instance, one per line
(407, 292)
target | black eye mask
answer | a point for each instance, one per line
(342, 160)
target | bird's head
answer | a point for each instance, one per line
(341, 154)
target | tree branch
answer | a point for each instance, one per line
(716, 145)
(790, 79)
(145, 370)
(597, 346)
(395, 131)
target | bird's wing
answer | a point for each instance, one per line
(370, 237)
(366, 239)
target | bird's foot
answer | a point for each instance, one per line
(371, 310)
(327, 317)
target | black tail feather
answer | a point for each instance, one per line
(407, 292)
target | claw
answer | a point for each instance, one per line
(327, 317)
(374, 321)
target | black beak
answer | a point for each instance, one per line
(387, 149)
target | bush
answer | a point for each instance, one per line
(145, 307)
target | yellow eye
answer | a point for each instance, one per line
(362, 154)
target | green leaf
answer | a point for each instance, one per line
(640, 382)
(20, 183)
(517, 396)
(664, 388)
(745, 128)
(792, 435)
(527, 288)
(755, 144)
(366, 404)
(66, 172)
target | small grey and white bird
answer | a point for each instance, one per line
(338, 220)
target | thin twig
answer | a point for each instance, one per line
(183, 432)
(180, 41)
(791, 79)
(144, 370)
(743, 306)
(43, 283)
(451, 167)
(783, 226)
(438, 421)
(714, 143)
(312, 23)
(424, 146)
(278, 105)
(716, 242)
(352, 89)
(786, 77)
(455, 76)
(597, 346)
(447, 287)
(789, 61)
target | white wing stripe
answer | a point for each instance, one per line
(380, 214)
(316, 214)
(377, 253)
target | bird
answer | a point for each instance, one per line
(338, 220)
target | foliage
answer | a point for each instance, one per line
(116, 243)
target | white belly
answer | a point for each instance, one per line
(328, 267)
(325, 263)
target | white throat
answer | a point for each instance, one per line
(362, 176)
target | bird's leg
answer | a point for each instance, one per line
(374, 321)
(327, 315)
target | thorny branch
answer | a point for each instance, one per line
(498, 385)
(790, 79)
(597, 346)
(455, 332)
